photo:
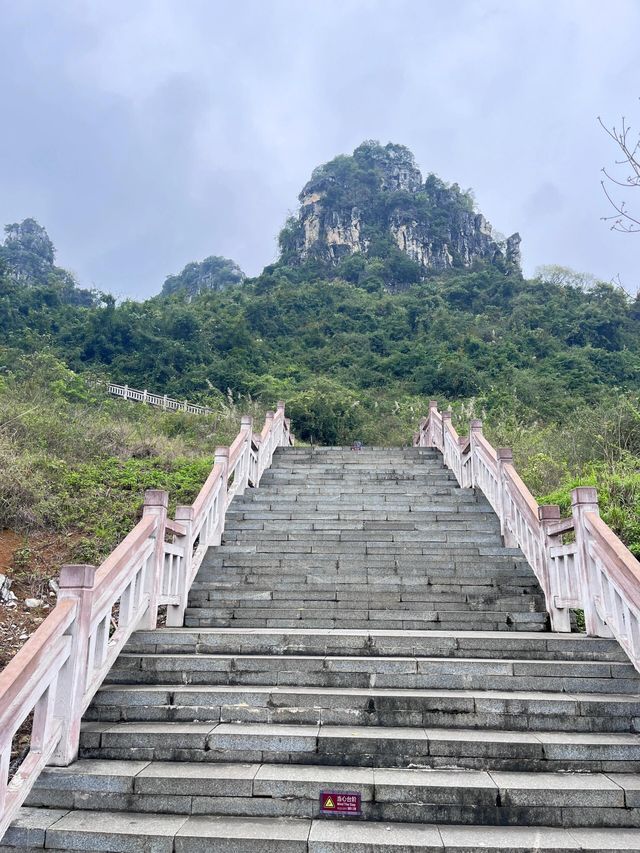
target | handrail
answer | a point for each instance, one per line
(159, 400)
(58, 670)
(596, 573)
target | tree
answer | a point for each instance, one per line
(622, 219)
(565, 277)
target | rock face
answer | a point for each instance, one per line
(214, 273)
(376, 199)
(27, 256)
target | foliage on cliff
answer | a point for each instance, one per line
(214, 273)
(374, 206)
(27, 258)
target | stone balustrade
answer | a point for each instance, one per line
(592, 571)
(59, 669)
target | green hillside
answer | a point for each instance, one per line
(358, 336)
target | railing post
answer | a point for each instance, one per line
(280, 408)
(257, 438)
(446, 418)
(246, 426)
(125, 393)
(475, 429)
(164, 403)
(560, 616)
(222, 458)
(175, 612)
(504, 456)
(584, 500)
(155, 503)
(465, 475)
(433, 407)
(421, 438)
(76, 584)
(266, 446)
(145, 395)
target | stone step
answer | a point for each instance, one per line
(364, 746)
(448, 563)
(380, 643)
(456, 601)
(387, 794)
(299, 595)
(403, 672)
(391, 620)
(461, 521)
(136, 832)
(286, 534)
(371, 706)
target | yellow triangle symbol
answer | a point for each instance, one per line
(329, 804)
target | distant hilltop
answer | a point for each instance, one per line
(375, 201)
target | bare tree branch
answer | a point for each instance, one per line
(622, 220)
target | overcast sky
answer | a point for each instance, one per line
(147, 134)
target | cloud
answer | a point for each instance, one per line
(146, 135)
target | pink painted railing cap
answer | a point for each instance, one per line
(156, 497)
(584, 495)
(80, 575)
(549, 512)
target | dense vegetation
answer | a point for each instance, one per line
(77, 462)
(356, 345)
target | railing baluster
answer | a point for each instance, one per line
(77, 584)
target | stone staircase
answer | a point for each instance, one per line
(363, 630)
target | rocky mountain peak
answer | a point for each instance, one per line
(375, 201)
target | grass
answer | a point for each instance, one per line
(597, 446)
(77, 462)
(75, 465)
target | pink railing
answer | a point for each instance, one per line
(595, 572)
(56, 673)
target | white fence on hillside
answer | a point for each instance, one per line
(159, 400)
(595, 572)
(57, 672)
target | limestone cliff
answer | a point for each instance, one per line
(377, 199)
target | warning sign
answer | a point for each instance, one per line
(332, 802)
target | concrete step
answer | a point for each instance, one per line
(387, 794)
(362, 599)
(389, 537)
(137, 832)
(353, 671)
(391, 620)
(515, 710)
(378, 643)
(364, 746)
